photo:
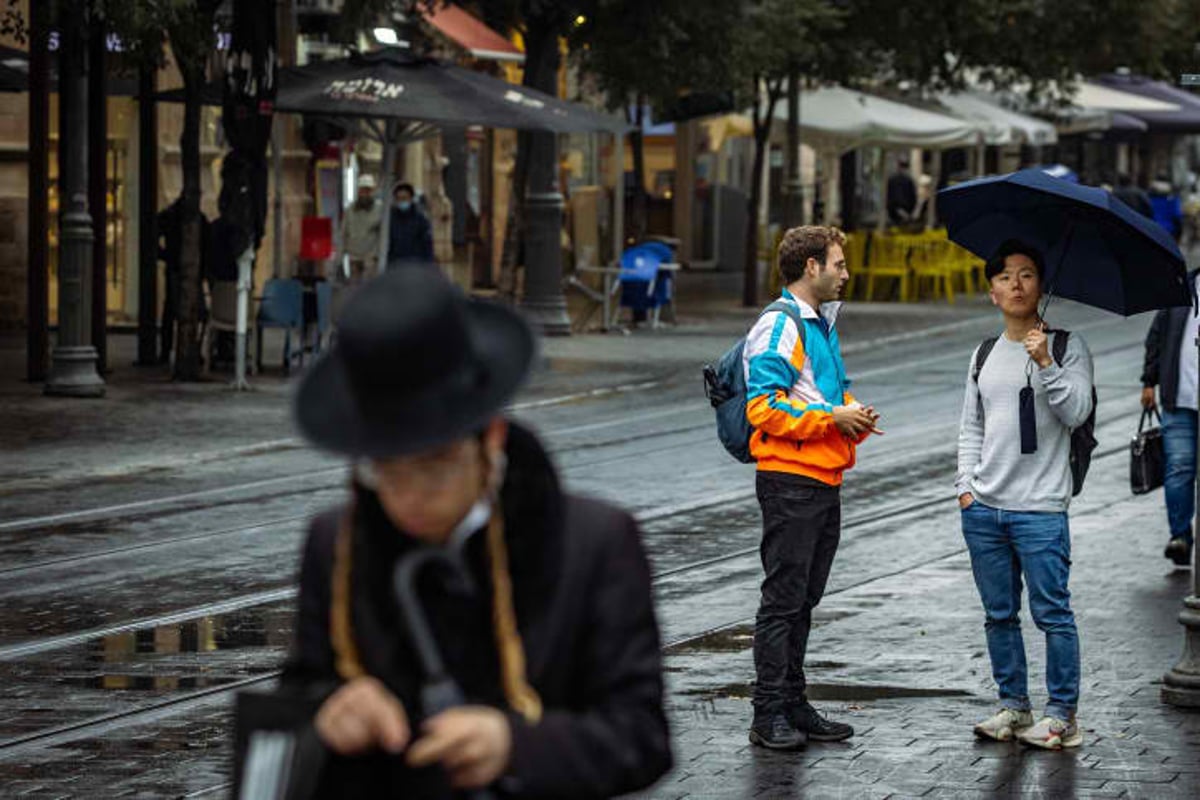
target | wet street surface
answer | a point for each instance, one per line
(148, 556)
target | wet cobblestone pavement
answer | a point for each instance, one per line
(137, 586)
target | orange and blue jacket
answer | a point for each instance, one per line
(792, 386)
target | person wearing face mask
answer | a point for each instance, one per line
(410, 235)
(557, 650)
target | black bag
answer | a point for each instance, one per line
(1147, 464)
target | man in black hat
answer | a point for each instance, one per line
(557, 651)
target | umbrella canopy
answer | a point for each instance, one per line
(398, 85)
(844, 119)
(1098, 250)
(1000, 125)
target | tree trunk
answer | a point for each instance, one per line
(191, 45)
(793, 200)
(762, 136)
(187, 347)
(750, 273)
(638, 142)
(512, 226)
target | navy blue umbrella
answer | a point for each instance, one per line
(1098, 250)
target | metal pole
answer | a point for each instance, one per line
(73, 368)
(277, 206)
(98, 189)
(385, 195)
(245, 262)
(618, 225)
(38, 288)
(1181, 686)
(147, 346)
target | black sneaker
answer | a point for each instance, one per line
(776, 733)
(819, 729)
(1179, 550)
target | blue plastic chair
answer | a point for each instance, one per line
(282, 306)
(644, 287)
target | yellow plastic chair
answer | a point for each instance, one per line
(887, 258)
(855, 251)
(932, 265)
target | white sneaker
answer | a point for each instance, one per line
(1052, 733)
(1004, 725)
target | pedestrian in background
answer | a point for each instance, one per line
(1014, 495)
(901, 194)
(360, 230)
(410, 237)
(558, 650)
(807, 426)
(1168, 210)
(1170, 364)
(1133, 196)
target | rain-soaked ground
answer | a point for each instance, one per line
(139, 591)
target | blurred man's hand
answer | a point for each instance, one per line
(472, 743)
(853, 420)
(362, 716)
(1148, 397)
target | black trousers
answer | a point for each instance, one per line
(802, 521)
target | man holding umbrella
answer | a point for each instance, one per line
(1014, 495)
(1025, 439)
(557, 651)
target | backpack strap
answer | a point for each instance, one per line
(1058, 346)
(792, 313)
(985, 349)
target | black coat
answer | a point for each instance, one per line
(581, 590)
(410, 236)
(1164, 343)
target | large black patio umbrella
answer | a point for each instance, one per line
(396, 84)
(402, 97)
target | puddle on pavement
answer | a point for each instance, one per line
(837, 692)
(731, 640)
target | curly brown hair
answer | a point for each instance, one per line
(805, 242)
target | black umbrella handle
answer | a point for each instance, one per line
(439, 691)
(405, 583)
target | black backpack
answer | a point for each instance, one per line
(1083, 438)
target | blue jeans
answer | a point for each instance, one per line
(1006, 546)
(1179, 483)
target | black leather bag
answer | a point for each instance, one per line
(1147, 464)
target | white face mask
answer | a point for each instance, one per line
(404, 205)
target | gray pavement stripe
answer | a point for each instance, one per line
(22, 649)
(70, 732)
(55, 562)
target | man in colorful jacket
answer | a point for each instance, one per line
(806, 427)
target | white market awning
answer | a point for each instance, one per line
(1094, 95)
(845, 119)
(1000, 126)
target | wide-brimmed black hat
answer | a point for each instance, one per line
(416, 365)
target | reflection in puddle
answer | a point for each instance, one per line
(264, 629)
